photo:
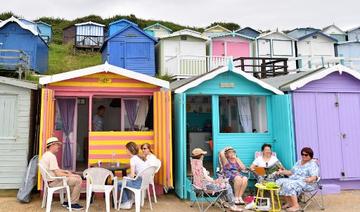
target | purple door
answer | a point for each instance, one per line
(329, 135)
(349, 110)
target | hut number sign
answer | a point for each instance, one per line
(227, 85)
(104, 80)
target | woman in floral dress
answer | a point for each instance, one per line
(301, 177)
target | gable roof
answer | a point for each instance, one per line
(123, 20)
(317, 33)
(42, 22)
(232, 34)
(21, 24)
(18, 83)
(158, 24)
(333, 25)
(104, 68)
(125, 28)
(187, 32)
(89, 23)
(217, 26)
(186, 84)
(241, 29)
(294, 81)
(275, 32)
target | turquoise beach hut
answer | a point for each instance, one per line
(228, 107)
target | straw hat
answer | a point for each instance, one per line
(198, 151)
(227, 149)
(52, 140)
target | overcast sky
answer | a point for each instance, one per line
(260, 14)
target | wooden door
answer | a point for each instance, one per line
(349, 113)
(237, 49)
(264, 48)
(218, 48)
(117, 54)
(329, 135)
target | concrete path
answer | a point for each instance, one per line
(345, 201)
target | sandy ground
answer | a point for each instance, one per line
(345, 201)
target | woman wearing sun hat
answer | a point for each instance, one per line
(212, 184)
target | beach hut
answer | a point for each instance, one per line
(87, 35)
(230, 108)
(23, 38)
(157, 30)
(137, 108)
(215, 31)
(314, 48)
(350, 51)
(231, 44)
(276, 44)
(335, 32)
(45, 30)
(182, 54)
(129, 47)
(326, 110)
(249, 32)
(17, 129)
(353, 34)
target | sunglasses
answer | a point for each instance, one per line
(304, 154)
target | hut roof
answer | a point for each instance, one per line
(158, 24)
(18, 83)
(217, 26)
(185, 84)
(103, 68)
(232, 34)
(21, 24)
(275, 32)
(292, 82)
(89, 23)
(187, 32)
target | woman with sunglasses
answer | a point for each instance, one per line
(148, 156)
(301, 177)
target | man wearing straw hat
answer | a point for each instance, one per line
(49, 162)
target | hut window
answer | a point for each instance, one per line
(243, 114)
(8, 113)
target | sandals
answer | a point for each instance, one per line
(235, 208)
(285, 206)
(293, 209)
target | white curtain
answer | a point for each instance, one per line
(244, 111)
(142, 113)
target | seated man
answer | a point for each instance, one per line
(232, 168)
(49, 162)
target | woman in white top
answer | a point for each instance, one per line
(266, 160)
(136, 166)
(149, 157)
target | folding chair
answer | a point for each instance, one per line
(213, 197)
(310, 196)
(220, 168)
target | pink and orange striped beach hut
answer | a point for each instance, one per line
(137, 108)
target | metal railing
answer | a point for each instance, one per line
(183, 66)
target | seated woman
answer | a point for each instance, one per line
(136, 166)
(266, 160)
(148, 156)
(212, 184)
(232, 166)
(301, 177)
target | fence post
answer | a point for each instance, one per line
(263, 69)
(285, 66)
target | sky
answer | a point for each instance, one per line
(259, 14)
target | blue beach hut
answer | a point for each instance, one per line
(228, 107)
(45, 30)
(129, 47)
(15, 35)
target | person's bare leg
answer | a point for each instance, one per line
(287, 202)
(244, 182)
(294, 203)
(237, 186)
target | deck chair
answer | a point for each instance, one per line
(313, 196)
(213, 197)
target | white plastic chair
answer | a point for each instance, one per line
(95, 182)
(158, 166)
(146, 176)
(49, 191)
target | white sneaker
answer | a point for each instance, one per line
(126, 205)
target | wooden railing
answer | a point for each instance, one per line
(262, 67)
(89, 41)
(305, 63)
(183, 66)
(12, 59)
